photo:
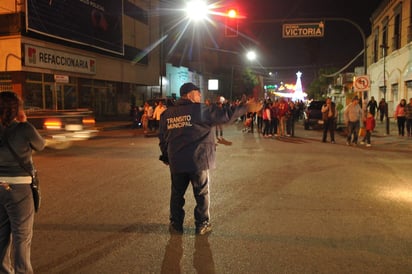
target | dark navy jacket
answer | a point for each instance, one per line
(186, 137)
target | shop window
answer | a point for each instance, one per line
(33, 96)
(31, 76)
(394, 89)
(49, 78)
(5, 82)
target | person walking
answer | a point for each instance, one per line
(408, 116)
(145, 117)
(283, 109)
(329, 115)
(160, 108)
(353, 115)
(187, 145)
(16, 198)
(219, 129)
(266, 115)
(400, 117)
(372, 106)
(383, 110)
(369, 126)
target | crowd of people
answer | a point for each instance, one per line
(278, 117)
(147, 116)
(274, 117)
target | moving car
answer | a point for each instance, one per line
(313, 115)
(61, 128)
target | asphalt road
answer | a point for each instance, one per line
(289, 205)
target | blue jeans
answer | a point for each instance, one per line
(353, 129)
(16, 220)
(200, 185)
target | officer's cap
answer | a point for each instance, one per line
(187, 87)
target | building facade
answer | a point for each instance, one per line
(80, 54)
(389, 52)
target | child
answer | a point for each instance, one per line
(369, 126)
(145, 121)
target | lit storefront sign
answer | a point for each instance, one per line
(47, 58)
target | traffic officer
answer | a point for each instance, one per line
(187, 145)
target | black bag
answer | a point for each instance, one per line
(35, 182)
(35, 188)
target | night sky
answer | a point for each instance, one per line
(285, 56)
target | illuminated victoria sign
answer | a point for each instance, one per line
(303, 30)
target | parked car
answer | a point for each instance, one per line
(313, 115)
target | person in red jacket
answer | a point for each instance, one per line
(283, 109)
(369, 126)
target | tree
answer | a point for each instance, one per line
(250, 81)
(319, 87)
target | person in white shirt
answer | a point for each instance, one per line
(157, 113)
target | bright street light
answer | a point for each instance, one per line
(251, 55)
(197, 10)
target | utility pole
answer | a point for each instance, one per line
(384, 48)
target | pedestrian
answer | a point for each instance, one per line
(273, 130)
(293, 116)
(400, 117)
(145, 117)
(136, 117)
(372, 106)
(219, 129)
(408, 115)
(160, 108)
(282, 111)
(383, 109)
(259, 118)
(148, 109)
(353, 115)
(329, 115)
(188, 146)
(369, 126)
(16, 198)
(266, 115)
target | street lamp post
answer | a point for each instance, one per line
(384, 48)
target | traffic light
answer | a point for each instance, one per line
(231, 24)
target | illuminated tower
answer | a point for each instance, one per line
(298, 94)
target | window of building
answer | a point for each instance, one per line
(409, 89)
(376, 45)
(394, 92)
(384, 36)
(397, 27)
(5, 82)
(382, 91)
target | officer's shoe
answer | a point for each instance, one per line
(204, 229)
(175, 228)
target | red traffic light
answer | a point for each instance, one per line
(231, 26)
(232, 13)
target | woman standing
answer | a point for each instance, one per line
(400, 116)
(16, 198)
(266, 116)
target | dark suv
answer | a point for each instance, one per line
(313, 115)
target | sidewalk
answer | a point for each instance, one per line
(392, 141)
(379, 139)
